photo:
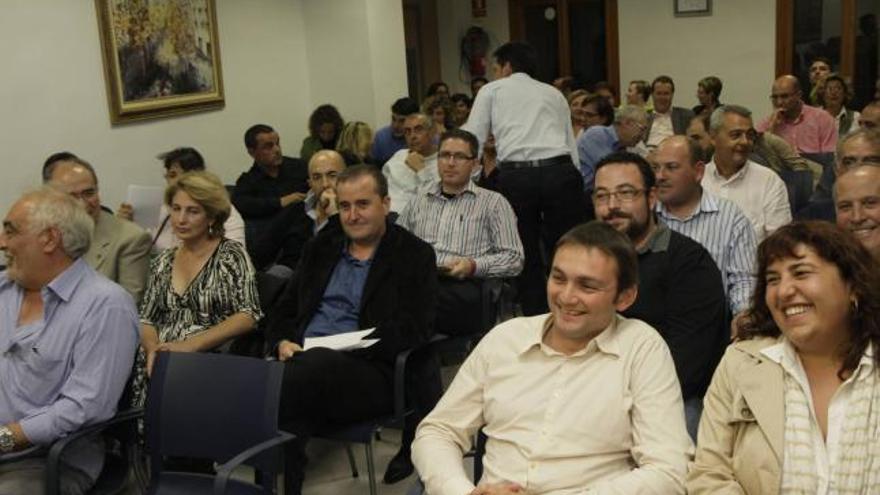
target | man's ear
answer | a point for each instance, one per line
(626, 298)
(699, 170)
(52, 240)
(252, 152)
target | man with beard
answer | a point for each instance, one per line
(680, 289)
(757, 190)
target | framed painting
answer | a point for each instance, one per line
(161, 57)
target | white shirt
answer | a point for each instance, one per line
(233, 229)
(661, 128)
(757, 190)
(403, 182)
(826, 452)
(606, 419)
(529, 119)
(852, 126)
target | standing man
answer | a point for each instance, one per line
(807, 129)
(537, 158)
(120, 250)
(666, 119)
(390, 139)
(68, 337)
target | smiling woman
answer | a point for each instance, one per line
(812, 335)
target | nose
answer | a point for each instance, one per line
(857, 215)
(786, 287)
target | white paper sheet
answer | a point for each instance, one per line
(342, 342)
(146, 201)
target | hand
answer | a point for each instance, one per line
(178, 346)
(776, 118)
(415, 161)
(286, 350)
(503, 488)
(294, 197)
(125, 212)
(461, 268)
(151, 358)
(327, 202)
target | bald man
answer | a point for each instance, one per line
(807, 129)
(870, 116)
(120, 250)
(282, 243)
(857, 190)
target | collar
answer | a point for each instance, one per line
(309, 203)
(436, 190)
(606, 342)
(738, 175)
(64, 284)
(784, 354)
(707, 204)
(659, 240)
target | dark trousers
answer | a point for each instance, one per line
(459, 307)
(548, 201)
(323, 388)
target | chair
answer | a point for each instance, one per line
(218, 407)
(799, 185)
(253, 344)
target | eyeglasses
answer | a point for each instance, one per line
(848, 162)
(622, 195)
(85, 194)
(457, 158)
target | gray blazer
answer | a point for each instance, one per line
(681, 117)
(120, 251)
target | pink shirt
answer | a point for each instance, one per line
(813, 131)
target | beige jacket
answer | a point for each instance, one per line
(120, 250)
(739, 446)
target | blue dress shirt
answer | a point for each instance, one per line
(341, 304)
(595, 143)
(385, 145)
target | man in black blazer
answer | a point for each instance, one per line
(368, 273)
(666, 119)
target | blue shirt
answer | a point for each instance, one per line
(722, 228)
(385, 145)
(341, 304)
(67, 369)
(595, 143)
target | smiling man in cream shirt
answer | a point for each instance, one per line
(580, 400)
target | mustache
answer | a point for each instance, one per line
(616, 214)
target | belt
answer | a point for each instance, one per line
(543, 162)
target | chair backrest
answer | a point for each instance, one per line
(212, 406)
(799, 185)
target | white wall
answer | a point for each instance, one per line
(736, 43)
(276, 68)
(454, 19)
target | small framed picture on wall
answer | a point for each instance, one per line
(691, 8)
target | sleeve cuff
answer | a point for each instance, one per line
(37, 430)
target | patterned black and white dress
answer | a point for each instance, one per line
(226, 285)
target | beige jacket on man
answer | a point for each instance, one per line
(739, 445)
(120, 251)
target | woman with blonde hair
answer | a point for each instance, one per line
(202, 293)
(355, 142)
(794, 406)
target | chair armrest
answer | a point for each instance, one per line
(53, 460)
(400, 382)
(225, 470)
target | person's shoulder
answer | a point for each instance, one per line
(746, 352)
(635, 334)
(383, 133)
(101, 290)
(514, 335)
(290, 161)
(406, 241)
(397, 159)
(121, 228)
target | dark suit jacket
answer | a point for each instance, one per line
(398, 299)
(681, 117)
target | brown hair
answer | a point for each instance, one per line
(605, 238)
(856, 266)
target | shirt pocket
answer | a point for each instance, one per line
(40, 374)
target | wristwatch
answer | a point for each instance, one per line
(7, 440)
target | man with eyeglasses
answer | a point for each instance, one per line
(472, 230)
(597, 142)
(415, 166)
(857, 190)
(807, 129)
(120, 250)
(680, 288)
(757, 190)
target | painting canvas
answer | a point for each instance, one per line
(161, 57)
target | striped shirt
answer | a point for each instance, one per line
(722, 228)
(477, 224)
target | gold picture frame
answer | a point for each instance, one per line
(161, 57)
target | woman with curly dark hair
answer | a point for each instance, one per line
(794, 406)
(325, 124)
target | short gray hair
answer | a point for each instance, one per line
(872, 136)
(630, 112)
(50, 208)
(717, 118)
